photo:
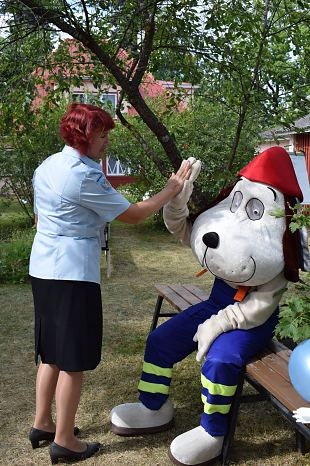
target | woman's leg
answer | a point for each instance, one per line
(68, 392)
(47, 377)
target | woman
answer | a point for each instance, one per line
(73, 200)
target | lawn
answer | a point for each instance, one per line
(140, 257)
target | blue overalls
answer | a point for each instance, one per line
(172, 341)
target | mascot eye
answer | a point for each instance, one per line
(237, 199)
(255, 209)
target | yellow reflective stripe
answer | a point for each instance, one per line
(218, 388)
(210, 408)
(153, 387)
(156, 370)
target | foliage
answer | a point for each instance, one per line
(250, 57)
(300, 217)
(14, 257)
(260, 52)
(294, 322)
(16, 237)
(204, 131)
(24, 146)
(12, 223)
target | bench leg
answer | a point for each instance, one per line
(300, 443)
(232, 421)
(156, 313)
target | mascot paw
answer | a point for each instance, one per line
(131, 419)
(195, 447)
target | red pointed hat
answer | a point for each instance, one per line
(275, 168)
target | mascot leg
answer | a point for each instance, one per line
(169, 343)
(219, 377)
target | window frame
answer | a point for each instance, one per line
(86, 99)
(118, 164)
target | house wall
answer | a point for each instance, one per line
(302, 143)
(293, 143)
(118, 180)
(287, 143)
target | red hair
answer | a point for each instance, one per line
(80, 122)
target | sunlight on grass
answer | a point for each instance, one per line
(140, 257)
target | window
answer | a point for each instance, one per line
(116, 167)
(108, 100)
(79, 97)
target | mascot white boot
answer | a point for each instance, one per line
(247, 246)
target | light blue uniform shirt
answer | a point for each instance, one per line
(73, 201)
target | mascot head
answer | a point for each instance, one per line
(238, 238)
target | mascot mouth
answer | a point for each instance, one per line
(235, 274)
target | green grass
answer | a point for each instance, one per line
(140, 257)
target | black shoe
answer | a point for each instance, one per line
(57, 452)
(37, 435)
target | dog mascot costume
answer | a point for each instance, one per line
(252, 254)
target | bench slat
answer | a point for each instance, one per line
(281, 350)
(276, 363)
(201, 294)
(172, 297)
(185, 294)
(276, 385)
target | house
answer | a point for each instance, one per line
(296, 140)
(115, 170)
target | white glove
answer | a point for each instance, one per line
(181, 199)
(302, 415)
(205, 335)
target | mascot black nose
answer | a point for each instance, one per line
(211, 239)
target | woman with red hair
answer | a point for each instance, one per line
(73, 200)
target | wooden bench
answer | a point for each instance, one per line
(267, 373)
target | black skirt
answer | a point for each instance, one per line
(68, 323)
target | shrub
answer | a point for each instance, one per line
(294, 317)
(11, 224)
(14, 257)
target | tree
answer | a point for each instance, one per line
(24, 141)
(261, 72)
(199, 130)
(237, 46)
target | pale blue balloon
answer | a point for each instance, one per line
(299, 369)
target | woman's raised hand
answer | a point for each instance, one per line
(176, 180)
(180, 200)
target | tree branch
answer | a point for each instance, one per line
(86, 16)
(147, 149)
(149, 29)
(17, 39)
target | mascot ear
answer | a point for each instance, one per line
(295, 247)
